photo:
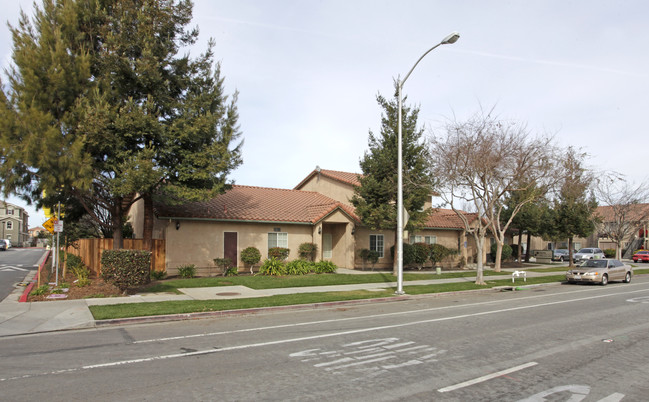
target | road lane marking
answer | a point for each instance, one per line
(314, 337)
(487, 377)
(401, 313)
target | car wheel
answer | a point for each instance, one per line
(561, 258)
(627, 278)
(604, 280)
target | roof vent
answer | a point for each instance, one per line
(317, 168)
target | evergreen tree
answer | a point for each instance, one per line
(573, 210)
(375, 199)
(108, 109)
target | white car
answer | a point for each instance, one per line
(588, 254)
(8, 242)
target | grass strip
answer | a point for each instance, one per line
(127, 310)
(274, 282)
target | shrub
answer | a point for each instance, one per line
(408, 254)
(126, 268)
(438, 253)
(324, 267)
(299, 267)
(370, 256)
(273, 266)
(609, 253)
(307, 251)
(226, 265)
(79, 270)
(420, 254)
(250, 256)
(187, 271)
(158, 275)
(278, 253)
(41, 290)
(505, 254)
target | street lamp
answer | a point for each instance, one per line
(451, 38)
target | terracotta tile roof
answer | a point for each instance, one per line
(639, 212)
(447, 219)
(248, 203)
(343, 177)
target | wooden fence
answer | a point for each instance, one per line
(90, 251)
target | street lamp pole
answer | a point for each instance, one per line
(451, 38)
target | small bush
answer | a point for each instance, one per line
(408, 254)
(41, 290)
(609, 253)
(324, 267)
(370, 256)
(79, 270)
(420, 254)
(158, 275)
(250, 256)
(505, 254)
(273, 267)
(226, 266)
(299, 267)
(126, 268)
(307, 251)
(278, 253)
(187, 271)
(438, 253)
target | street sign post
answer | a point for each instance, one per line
(58, 226)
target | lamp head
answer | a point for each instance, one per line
(451, 38)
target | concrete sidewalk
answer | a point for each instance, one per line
(34, 317)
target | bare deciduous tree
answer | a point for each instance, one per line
(481, 160)
(625, 209)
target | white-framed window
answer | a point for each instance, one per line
(277, 239)
(423, 239)
(10, 211)
(10, 225)
(376, 244)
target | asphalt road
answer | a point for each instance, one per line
(554, 343)
(14, 265)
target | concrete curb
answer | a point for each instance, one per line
(252, 311)
(28, 289)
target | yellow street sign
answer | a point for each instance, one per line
(49, 225)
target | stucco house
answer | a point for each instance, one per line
(14, 222)
(316, 211)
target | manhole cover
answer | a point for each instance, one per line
(228, 294)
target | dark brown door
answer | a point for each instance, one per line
(230, 246)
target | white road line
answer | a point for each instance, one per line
(401, 313)
(486, 377)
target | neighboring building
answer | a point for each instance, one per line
(316, 211)
(13, 223)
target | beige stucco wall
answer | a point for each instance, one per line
(363, 241)
(200, 242)
(329, 187)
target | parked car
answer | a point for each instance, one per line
(3, 245)
(560, 254)
(600, 271)
(641, 256)
(588, 254)
(8, 242)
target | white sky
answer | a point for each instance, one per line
(308, 73)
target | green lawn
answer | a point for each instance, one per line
(193, 306)
(274, 282)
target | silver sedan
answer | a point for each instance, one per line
(600, 271)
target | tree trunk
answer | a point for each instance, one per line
(529, 246)
(147, 234)
(520, 247)
(570, 246)
(479, 280)
(499, 255)
(118, 240)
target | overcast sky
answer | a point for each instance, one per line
(308, 73)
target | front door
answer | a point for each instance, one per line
(230, 247)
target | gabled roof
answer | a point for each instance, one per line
(637, 212)
(258, 204)
(343, 177)
(447, 219)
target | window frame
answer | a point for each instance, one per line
(376, 244)
(277, 242)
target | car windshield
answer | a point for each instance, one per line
(595, 264)
(586, 251)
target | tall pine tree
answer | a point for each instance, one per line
(376, 197)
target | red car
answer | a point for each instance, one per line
(641, 256)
